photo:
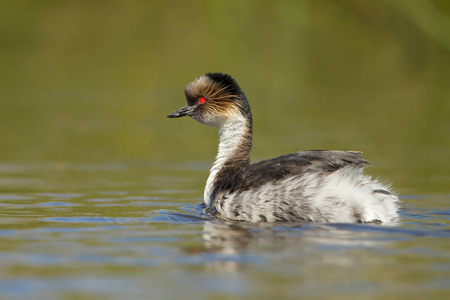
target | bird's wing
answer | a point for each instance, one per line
(272, 170)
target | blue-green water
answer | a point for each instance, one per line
(100, 193)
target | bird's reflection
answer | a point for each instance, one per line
(235, 237)
(235, 244)
(231, 242)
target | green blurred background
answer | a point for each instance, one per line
(93, 81)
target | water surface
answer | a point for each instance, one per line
(89, 231)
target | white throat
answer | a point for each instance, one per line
(230, 136)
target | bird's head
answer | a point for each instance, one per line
(213, 99)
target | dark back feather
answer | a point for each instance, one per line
(272, 170)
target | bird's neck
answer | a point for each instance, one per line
(235, 145)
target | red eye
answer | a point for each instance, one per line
(201, 100)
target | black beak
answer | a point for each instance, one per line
(184, 111)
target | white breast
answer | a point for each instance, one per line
(229, 139)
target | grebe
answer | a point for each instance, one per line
(306, 186)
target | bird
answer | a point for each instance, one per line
(322, 186)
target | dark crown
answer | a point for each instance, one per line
(227, 82)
